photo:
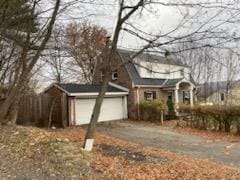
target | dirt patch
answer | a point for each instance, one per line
(114, 151)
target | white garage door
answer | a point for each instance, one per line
(112, 109)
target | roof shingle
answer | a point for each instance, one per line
(86, 88)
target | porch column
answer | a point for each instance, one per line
(176, 99)
(191, 96)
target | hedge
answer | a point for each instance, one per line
(152, 110)
(216, 117)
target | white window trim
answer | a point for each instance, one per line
(113, 77)
(151, 98)
(101, 75)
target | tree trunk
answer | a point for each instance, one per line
(96, 112)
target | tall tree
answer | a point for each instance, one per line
(23, 52)
(86, 45)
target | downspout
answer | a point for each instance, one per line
(138, 101)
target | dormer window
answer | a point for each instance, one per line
(114, 75)
(149, 68)
(182, 72)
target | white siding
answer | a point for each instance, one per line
(175, 71)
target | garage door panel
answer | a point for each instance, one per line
(112, 109)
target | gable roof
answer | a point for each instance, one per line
(153, 58)
(88, 90)
(137, 79)
(134, 75)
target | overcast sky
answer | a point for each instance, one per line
(157, 19)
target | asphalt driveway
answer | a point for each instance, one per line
(167, 138)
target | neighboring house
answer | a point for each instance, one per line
(220, 93)
(173, 82)
(75, 102)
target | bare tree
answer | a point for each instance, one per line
(24, 44)
(86, 44)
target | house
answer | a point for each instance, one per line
(150, 77)
(219, 93)
(74, 103)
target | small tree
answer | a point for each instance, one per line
(171, 109)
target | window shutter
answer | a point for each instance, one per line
(154, 95)
(145, 95)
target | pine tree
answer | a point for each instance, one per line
(16, 18)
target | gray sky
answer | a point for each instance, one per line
(157, 19)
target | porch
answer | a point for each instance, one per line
(180, 92)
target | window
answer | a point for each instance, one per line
(114, 75)
(101, 75)
(222, 96)
(149, 68)
(149, 95)
(182, 72)
(170, 95)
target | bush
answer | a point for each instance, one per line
(151, 110)
(217, 117)
(171, 110)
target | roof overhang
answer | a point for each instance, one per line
(147, 86)
(93, 95)
(124, 91)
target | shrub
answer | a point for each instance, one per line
(171, 109)
(217, 117)
(151, 110)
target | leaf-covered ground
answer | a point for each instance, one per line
(31, 153)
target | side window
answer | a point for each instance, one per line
(101, 75)
(222, 96)
(149, 68)
(114, 75)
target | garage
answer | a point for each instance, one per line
(80, 100)
(112, 109)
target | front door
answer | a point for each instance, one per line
(186, 97)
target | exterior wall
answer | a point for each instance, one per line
(71, 111)
(164, 68)
(137, 95)
(234, 96)
(123, 80)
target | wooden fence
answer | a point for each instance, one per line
(43, 110)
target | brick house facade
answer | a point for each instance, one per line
(141, 87)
